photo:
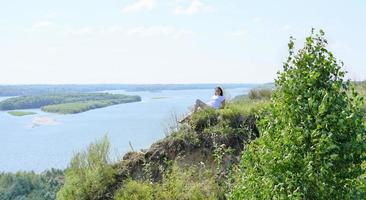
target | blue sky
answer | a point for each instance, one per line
(169, 41)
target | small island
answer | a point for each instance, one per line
(159, 97)
(21, 113)
(66, 103)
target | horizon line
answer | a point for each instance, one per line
(208, 83)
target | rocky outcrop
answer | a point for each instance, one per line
(189, 147)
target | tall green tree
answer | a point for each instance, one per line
(313, 141)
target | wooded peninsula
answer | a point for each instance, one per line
(70, 103)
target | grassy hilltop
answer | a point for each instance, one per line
(193, 162)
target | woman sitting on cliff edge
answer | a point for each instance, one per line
(217, 102)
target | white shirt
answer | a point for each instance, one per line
(216, 101)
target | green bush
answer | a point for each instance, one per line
(135, 190)
(232, 118)
(361, 89)
(260, 94)
(195, 183)
(186, 135)
(313, 140)
(89, 175)
(203, 119)
(189, 184)
(232, 121)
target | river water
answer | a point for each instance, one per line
(26, 147)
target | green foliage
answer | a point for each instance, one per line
(78, 107)
(231, 116)
(66, 103)
(30, 186)
(313, 140)
(361, 89)
(260, 94)
(203, 119)
(186, 135)
(248, 107)
(89, 175)
(21, 113)
(238, 117)
(195, 183)
(135, 190)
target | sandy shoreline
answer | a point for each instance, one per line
(44, 121)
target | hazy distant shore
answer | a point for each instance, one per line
(19, 90)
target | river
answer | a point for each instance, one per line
(26, 147)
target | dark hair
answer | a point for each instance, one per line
(221, 92)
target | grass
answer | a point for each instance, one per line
(21, 113)
(194, 183)
(256, 94)
(260, 94)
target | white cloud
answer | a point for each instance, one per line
(257, 19)
(159, 31)
(111, 30)
(139, 5)
(238, 33)
(94, 30)
(140, 31)
(83, 31)
(286, 27)
(196, 6)
(42, 25)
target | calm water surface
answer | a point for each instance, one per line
(24, 147)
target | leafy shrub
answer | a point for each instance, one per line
(192, 184)
(186, 135)
(313, 140)
(232, 121)
(135, 190)
(89, 175)
(195, 183)
(361, 89)
(231, 117)
(260, 94)
(203, 119)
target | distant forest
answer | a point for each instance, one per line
(31, 186)
(20, 90)
(67, 103)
